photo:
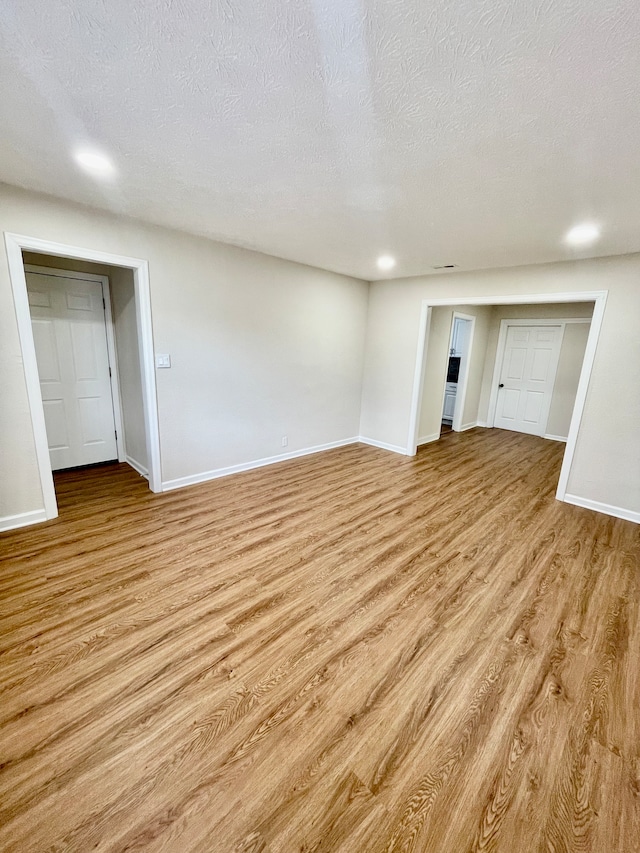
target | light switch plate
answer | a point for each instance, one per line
(163, 360)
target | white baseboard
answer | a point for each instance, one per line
(484, 424)
(394, 448)
(607, 509)
(425, 439)
(555, 437)
(22, 519)
(137, 466)
(169, 485)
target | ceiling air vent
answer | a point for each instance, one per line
(445, 267)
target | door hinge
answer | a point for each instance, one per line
(109, 373)
(116, 432)
(104, 304)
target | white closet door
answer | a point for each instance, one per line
(526, 380)
(70, 336)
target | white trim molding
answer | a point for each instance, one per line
(15, 244)
(607, 509)
(598, 297)
(193, 479)
(205, 476)
(427, 439)
(22, 519)
(137, 466)
(555, 437)
(382, 445)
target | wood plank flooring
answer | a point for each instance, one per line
(351, 652)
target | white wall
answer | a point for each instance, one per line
(565, 387)
(606, 466)
(123, 302)
(476, 365)
(260, 347)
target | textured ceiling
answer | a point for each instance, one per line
(473, 132)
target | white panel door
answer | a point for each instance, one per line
(527, 377)
(70, 336)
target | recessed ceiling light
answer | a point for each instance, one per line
(94, 162)
(386, 262)
(582, 235)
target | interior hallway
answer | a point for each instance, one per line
(352, 652)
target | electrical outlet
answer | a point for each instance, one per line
(285, 441)
(163, 360)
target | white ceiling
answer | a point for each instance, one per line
(473, 132)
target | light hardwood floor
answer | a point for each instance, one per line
(352, 652)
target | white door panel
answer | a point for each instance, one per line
(83, 348)
(39, 298)
(517, 358)
(80, 301)
(533, 406)
(55, 418)
(510, 403)
(69, 331)
(47, 354)
(527, 376)
(541, 365)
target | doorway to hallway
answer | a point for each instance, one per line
(135, 354)
(75, 352)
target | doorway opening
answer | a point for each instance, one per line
(74, 338)
(71, 341)
(460, 346)
(549, 322)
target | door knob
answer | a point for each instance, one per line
(501, 385)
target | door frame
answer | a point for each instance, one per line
(502, 343)
(15, 244)
(112, 352)
(463, 375)
(598, 297)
